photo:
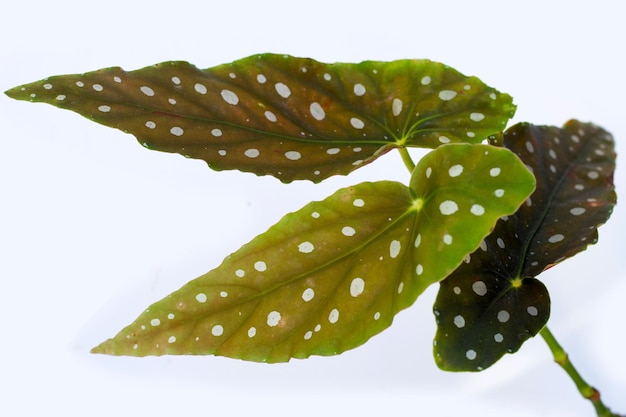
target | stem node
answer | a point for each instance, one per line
(587, 391)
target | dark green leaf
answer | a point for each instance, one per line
(330, 276)
(492, 303)
(292, 118)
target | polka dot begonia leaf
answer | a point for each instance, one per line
(333, 274)
(493, 303)
(293, 118)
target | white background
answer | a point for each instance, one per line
(94, 228)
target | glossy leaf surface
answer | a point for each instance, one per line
(492, 303)
(330, 276)
(293, 118)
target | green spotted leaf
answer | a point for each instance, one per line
(293, 118)
(333, 274)
(493, 303)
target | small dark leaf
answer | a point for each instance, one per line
(481, 316)
(293, 118)
(575, 194)
(330, 276)
(492, 303)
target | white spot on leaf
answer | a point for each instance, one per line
(348, 231)
(282, 90)
(556, 238)
(260, 266)
(357, 123)
(270, 116)
(396, 106)
(477, 210)
(293, 155)
(230, 97)
(200, 88)
(177, 131)
(477, 117)
(357, 286)
(317, 111)
(359, 89)
(201, 297)
(447, 95)
(333, 316)
(394, 248)
(252, 153)
(306, 247)
(503, 316)
(479, 288)
(273, 318)
(455, 170)
(448, 207)
(308, 294)
(147, 90)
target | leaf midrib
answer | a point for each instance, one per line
(523, 259)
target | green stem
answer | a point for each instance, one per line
(406, 158)
(586, 390)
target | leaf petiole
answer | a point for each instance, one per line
(406, 158)
(587, 391)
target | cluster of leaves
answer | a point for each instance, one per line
(331, 275)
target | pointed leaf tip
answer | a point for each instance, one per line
(293, 118)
